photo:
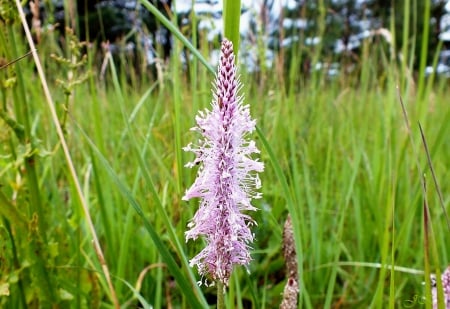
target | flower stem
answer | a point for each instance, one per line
(220, 295)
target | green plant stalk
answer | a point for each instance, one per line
(194, 63)
(176, 73)
(322, 27)
(220, 295)
(409, 61)
(157, 303)
(405, 40)
(177, 33)
(426, 248)
(433, 174)
(392, 241)
(231, 22)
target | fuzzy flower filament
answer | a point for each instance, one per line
(227, 179)
(445, 278)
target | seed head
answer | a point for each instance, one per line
(227, 178)
(445, 278)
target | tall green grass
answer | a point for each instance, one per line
(338, 155)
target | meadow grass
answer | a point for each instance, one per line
(338, 156)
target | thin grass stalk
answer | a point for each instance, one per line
(16, 263)
(176, 91)
(426, 245)
(231, 20)
(395, 268)
(433, 174)
(321, 21)
(220, 295)
(194, 63)
(392, 253)
(4, 66)
(405, 40)
(390, 227)
(159, 284)
(410, 86)
(67, 155)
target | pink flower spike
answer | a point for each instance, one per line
(227, 179)
(445, 278)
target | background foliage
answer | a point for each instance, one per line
(338, 158)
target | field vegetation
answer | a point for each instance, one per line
(92, 216)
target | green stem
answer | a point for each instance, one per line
(11, 213)
(231, 20)
(220, 295)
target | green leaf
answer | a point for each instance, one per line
(231, 20)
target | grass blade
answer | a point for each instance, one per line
(231, 21)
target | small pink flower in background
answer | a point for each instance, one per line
(445, 278)
(227, 179)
